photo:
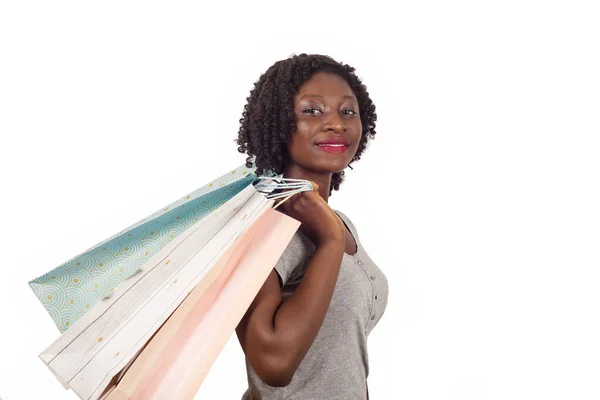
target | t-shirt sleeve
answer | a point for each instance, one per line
(283, 270)
(290, 264)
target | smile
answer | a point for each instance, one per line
(333, 148)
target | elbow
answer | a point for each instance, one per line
(275, 371)
(276, 380)
(273, 360)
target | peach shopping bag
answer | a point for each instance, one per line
(104, 342)
(176, 361)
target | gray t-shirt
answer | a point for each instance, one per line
(336, 365)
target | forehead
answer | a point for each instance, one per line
(325, 84)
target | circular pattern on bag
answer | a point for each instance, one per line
(73, 288)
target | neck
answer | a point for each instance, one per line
(323, 179)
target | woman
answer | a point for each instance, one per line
(305, 333)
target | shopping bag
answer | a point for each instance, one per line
(75, 287)
(105, 340)
(175, 362)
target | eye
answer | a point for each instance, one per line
(308, 111)
(311, 109)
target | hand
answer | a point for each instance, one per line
(318, 221)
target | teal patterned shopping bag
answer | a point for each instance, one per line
(73, 288)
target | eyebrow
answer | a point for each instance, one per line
(318, 95)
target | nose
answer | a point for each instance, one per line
(334, 123)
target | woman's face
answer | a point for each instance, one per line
(328, 124)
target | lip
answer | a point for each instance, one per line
(334, 140)
(333, 148)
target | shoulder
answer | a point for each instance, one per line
(341, 214)
(347, 220)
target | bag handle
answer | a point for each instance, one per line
(268, 184)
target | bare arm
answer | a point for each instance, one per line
(276, 335)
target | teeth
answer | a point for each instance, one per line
(333, 145)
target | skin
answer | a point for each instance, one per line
(276, 335)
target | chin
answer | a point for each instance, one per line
(331, 163)
(331, 167)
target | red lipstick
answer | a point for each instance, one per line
(334, 145)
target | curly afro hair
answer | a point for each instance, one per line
(269, 119)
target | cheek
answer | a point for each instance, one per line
(303, 127)
(300, 139)
(298, 146)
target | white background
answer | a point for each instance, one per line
(479, 198)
